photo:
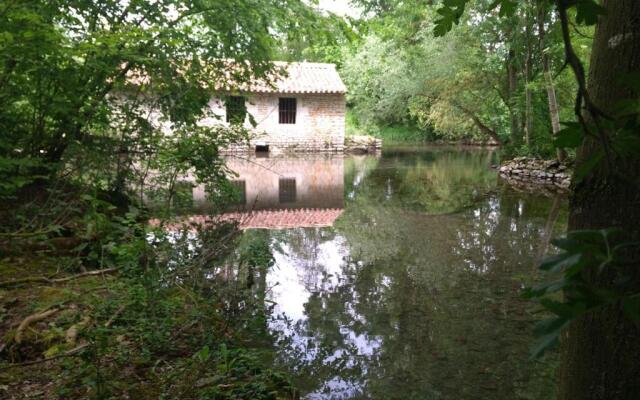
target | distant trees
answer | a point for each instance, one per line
(492, 74)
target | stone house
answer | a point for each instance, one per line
(303, 111)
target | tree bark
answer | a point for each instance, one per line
(512, 86)
(481, 125)
(528, 67)
(601, 351)
(554, 114)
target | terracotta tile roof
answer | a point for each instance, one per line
(304, 77)
(266, 219)
(295, 77)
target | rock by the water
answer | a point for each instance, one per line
(543, 172)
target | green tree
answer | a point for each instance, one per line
(601, 283)
(601, 349)
(96, 91)
(483, 81)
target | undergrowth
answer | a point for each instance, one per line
(138, 312)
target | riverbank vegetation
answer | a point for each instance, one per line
(173, 317)
(95, 302)
(598, 314)
(492, 79)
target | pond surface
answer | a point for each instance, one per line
(399, 276)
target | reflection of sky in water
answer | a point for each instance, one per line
(291, 287)
(415, 290)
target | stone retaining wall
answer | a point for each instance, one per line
(353, 144)
(291, 145)
(544, 172)
(361, 144)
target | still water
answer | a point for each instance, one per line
(399, 276)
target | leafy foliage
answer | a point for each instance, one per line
(583, 253)
(92, 90)
(456, 88)
(104, 103)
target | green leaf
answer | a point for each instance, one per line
(545, 343)
(588, 12)
(507, 7)
(585, 168)
(203, 354)
(627, 142)
(549, 326)
(581, 241)
(541, 290)
(451, 11)
(560, 309)
(631, 308)
(559, 262)
(442, 26)
(458, 4)
(570, 137)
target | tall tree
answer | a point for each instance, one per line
(67, 66)
(554, 113)
(512, 87)
(601, 349)
(528, 74)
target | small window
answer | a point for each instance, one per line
(287, 110)
(236, 109)
(287, 189)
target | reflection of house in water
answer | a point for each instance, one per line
(285, 192)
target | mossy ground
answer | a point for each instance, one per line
(141, 340)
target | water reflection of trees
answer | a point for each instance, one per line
(425, 306)
(435, 182)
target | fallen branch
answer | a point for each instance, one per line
(88, 273)
(44, 279)
(69, 353)
(30, 320)
(115, 315)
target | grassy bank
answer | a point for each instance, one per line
(138, 313)
(389, 134)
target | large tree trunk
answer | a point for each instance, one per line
(551, 90)
(601, 351)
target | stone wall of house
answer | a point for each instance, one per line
(319, 127)
(533, 170)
